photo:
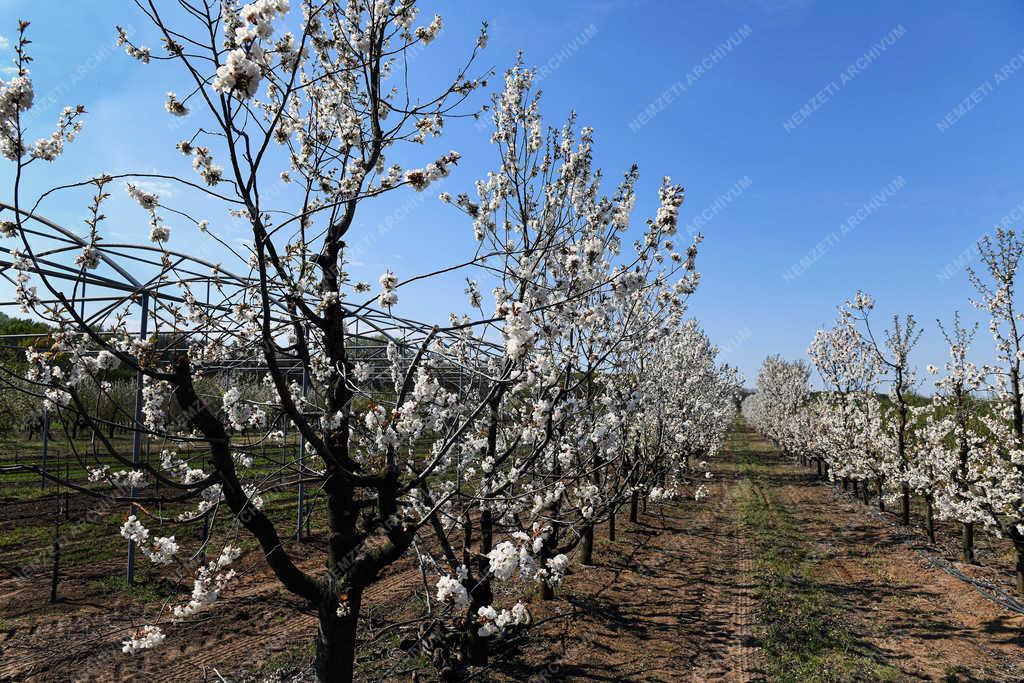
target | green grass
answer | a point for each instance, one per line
(956, 673)
(285, 663)
(26, 536)
(143, 591)
(801, 628)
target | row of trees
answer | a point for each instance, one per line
(582, 389)
(961, 449)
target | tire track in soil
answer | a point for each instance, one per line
(740, 660)
(745, 655)
(672, 600)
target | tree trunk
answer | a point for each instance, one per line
(905, 504)
(587, 552)
(881, 498)
(477, 647)
(818, 462)
(967, 542)
(634, 507)
(336, 640)
(1020, 564)
(846, 484)
(930, 519)
(611, 526)
(866, 493)
(546, 591)
(480, 592)
(856, 489)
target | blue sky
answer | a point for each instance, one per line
(914, 103)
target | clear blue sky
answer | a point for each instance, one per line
(887, 79)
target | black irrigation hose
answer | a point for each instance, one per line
(987, 590)
(993, 593)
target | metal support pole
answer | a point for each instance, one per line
(137, 433)
(46, 447)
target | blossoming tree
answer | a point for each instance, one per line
(553, 421)
(961, 451)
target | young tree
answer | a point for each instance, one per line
(573, 307)
(321, 110)
(1001, 462)
(851, 434)
(893, 356)
(952, 434)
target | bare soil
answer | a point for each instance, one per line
(677, 597)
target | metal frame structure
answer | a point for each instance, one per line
(99, 293)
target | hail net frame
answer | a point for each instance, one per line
(135, 280)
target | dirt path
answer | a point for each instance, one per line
(915, 621)
(773, 577)
(923, 622)
(685, 595)
(673, 599)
